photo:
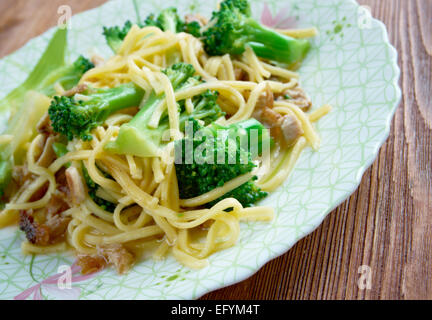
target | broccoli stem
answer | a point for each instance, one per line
(136, 137)
(77, 118)
(116, 99)
(269, 44)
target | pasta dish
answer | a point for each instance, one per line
(163, 148)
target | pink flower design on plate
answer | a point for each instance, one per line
(281, 21)
(51, 285)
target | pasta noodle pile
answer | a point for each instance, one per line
(149, 213)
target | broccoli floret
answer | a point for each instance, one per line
(76, 118)
(232, 29)
(139, 139)
(167, 20)
(247, 194)
(217, 156)
(115, 35)
(193, 28)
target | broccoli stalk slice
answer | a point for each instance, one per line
(232, 29)
(271, 45)
(76, 118)
(139, 139)
(198, 177)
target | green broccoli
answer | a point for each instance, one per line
(232, 29)
(139, 139)
(193, 28)
(218, 155)
(115, 35)
(167, 20)
(92, 190)
(6, 167)
(74, 118)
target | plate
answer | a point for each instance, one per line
(352, 66)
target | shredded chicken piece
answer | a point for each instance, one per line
(298, 97)
(45, 226)
(114, 254)
(20, 175)
(62, 186)
(286, 129)
(240, 74)
(97, 60)
(35, 233)
(117, 255)
(48, 155)
(76, 90)
(56, 205)
(266, 100)
(44, 125)
(291, 129)
(38, 194)
(75, 185)
(90, 264)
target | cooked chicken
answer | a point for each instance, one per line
(44, 125)
(78, 89)
(115, 254)
(286, 129)
(240, 74)
(48, 155)
(298, 97)
(20, 175)
(75, 184)
(291, 129)
(90, 264)
(47, 225)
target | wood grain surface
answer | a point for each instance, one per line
(386, 224)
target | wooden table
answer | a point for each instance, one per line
(386, 224)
